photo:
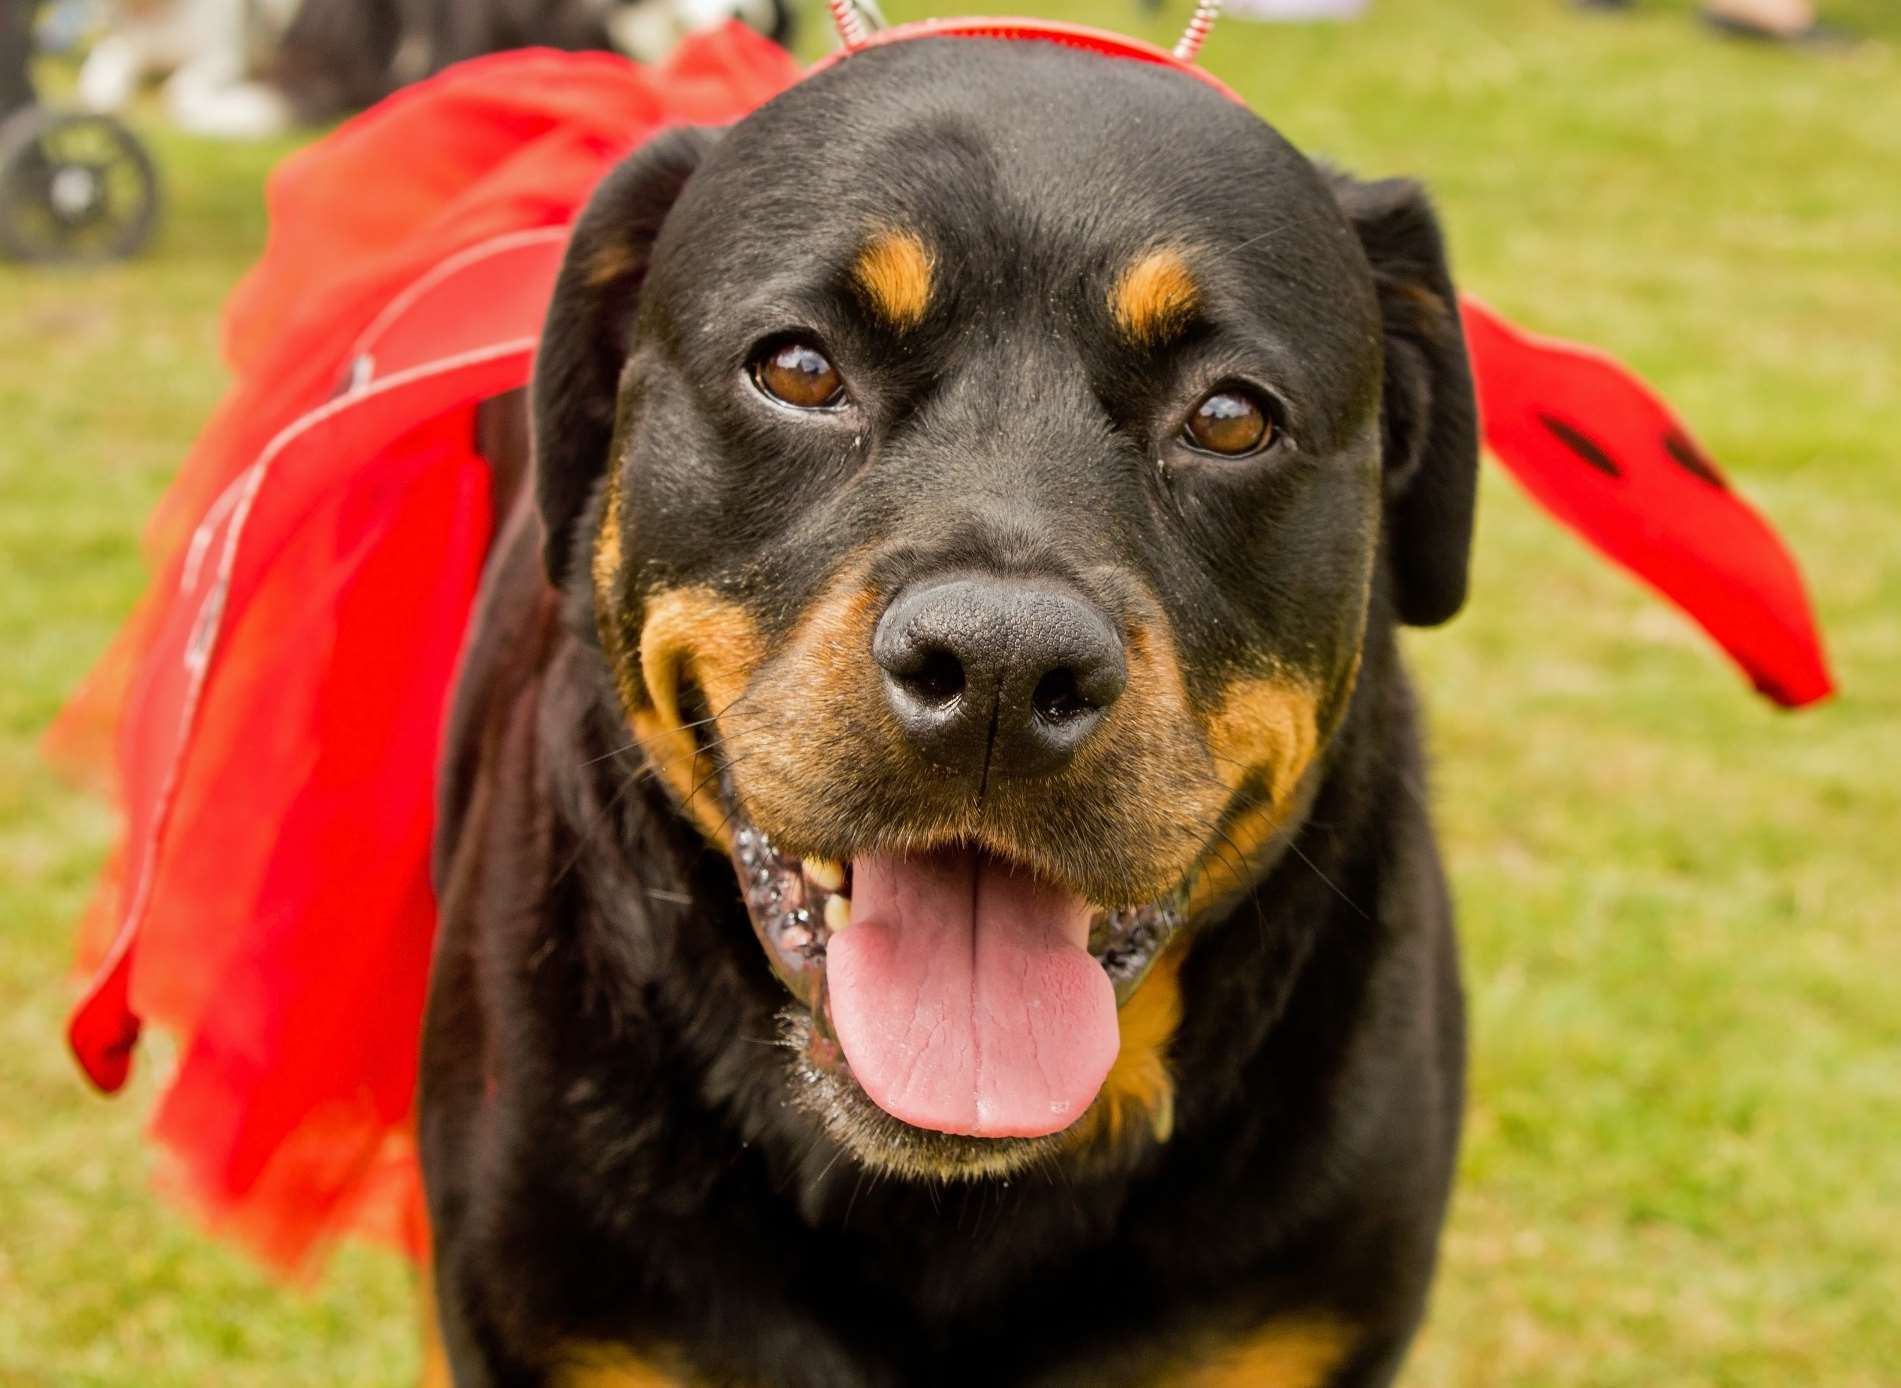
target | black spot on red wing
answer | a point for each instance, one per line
(1691, 459)
(1581, 444)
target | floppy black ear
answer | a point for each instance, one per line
(1430, 419)
(589, 330)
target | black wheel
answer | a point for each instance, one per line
(73, 187)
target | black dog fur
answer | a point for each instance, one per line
(620, 1177)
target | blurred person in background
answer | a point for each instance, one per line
(206, 52)
(249, 68)
(16, 47)
(1291, 11)
(1781, 21)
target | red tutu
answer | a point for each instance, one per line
(271, 713)
(274, 707)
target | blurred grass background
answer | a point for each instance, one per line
(1683, 1156)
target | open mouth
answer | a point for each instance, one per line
(962, 993)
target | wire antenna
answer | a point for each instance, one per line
(854, 19)
(845, 18)
(1196, 33)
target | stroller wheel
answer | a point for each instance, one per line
(74, 188)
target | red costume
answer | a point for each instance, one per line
(272, 711)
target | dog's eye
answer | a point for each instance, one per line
(796, 373)
(1230, 422)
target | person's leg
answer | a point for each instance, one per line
(16, 49)
(1787, 21)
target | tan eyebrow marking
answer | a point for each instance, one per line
(1153, 297)
(894, 272)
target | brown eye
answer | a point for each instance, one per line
(796, 373)
(1230, 423)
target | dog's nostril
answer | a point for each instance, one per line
(1058, 697)
(939, 677)
(997, 678)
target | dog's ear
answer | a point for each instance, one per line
(589, 330)
(1429, 417)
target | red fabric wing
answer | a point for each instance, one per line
(1595, 447)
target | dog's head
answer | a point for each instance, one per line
(982, 462)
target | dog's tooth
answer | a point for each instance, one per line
(837, 913)
(825, 873)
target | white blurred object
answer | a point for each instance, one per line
(212, 96)
(644, 31)
(1293, 11)
(647, 30)
(203, 49)
(152, 38)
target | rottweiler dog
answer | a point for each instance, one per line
(935, 883)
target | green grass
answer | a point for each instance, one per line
(1678, 905)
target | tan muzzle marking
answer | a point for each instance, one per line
(692, 634)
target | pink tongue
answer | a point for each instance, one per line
(965, 997)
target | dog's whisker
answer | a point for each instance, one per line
(1236, 860)
(1235, 250)
(583, 840)
(726, 714)
(722, 764)
(609, 755)
(826, 1170)
(1359, 911)
(857, 1188)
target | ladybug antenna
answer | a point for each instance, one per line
(855, 19)
(1196, 33)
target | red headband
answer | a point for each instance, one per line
(1078, 36)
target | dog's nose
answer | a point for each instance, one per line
(993, 678)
